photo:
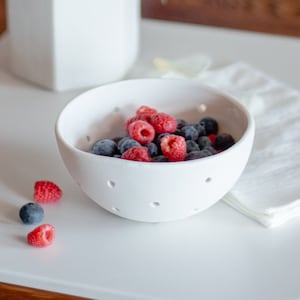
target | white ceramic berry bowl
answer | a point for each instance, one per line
(143, 191)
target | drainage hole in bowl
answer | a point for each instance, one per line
(154, 204)
(197, 209)
(202, 107)
(117, 109)
(115, 209)
(111, 184)
(208, 179)
(88, 138)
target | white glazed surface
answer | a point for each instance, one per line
(152, 192)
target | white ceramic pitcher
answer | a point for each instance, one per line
(70, 44)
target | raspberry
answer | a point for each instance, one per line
(141, 131)
(163, 123)
(212, 138)
(173, 147)
(138, 153)
(41, 236)
(129, 121)
(144, 109)
(46, 192)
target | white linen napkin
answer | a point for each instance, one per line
(268, 190)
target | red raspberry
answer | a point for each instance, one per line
(163, 123)
(129, 121)
(138, 153)
(212, 138)
(41, 236)
(173, 147)
(144, 109)
(46, 192)
(141, 131)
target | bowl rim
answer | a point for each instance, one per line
(250, 129)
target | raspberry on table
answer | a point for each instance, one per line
(41, 236)
(163, 123)
(173, 147)
(31, 213)
(141, 131)
(137, 153)
(46, 192)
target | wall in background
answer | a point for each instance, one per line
(273, 16)
(2, 16)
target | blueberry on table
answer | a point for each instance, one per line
(224, 141)
(210, 124)
(31, 213)
(106, 147)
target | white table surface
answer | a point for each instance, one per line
(217, 254)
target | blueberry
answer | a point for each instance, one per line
(31, 213)
(180, 123)
(197, 154)
(210, 124)
(152, 149)
(224, 141)
(189, 132)
(126, 143)
(157, 141)
(211, 149)
(105, 147)
(201, 129)
(203, 142)
(159, 158)
(191, 146)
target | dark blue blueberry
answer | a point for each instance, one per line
(191, 146)
(157, 141)
(189, 132)
(105, 147)
(201, 129)
(152, 149)
(126, 143)
(224, 141)
(210, 124)
(211, 149)
(203, 142)
(159, 158)
(180, 123)
(197, 154)
(31, 213)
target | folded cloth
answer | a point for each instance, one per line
(268, 190)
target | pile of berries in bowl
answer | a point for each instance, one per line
(155, 150)
(153, 136)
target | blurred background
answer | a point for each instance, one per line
(273, 16)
